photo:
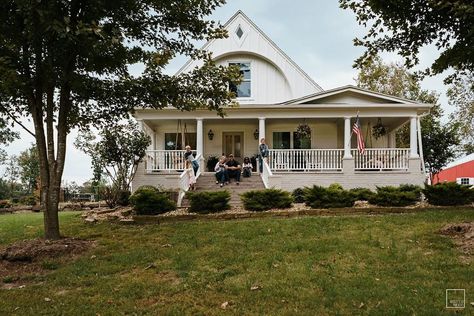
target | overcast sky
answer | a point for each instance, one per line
(317, 35)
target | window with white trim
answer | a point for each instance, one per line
(465, 181)
(244, 89)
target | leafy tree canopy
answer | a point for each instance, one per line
(28, 162)
(117, 152)
(66, 64)
(461, 96)
(405, 26)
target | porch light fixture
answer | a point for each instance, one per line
(255, 134)
(210, 134)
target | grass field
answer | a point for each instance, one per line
(381, 265)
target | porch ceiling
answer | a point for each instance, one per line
(391, 123)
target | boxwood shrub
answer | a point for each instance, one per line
(148, 200)
(449, 193)
(263, 200)
(208, 201)
(331, 197)
(404, 195)
(362, 194)
(298, 195)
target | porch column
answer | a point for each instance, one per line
(153, 140)
(261, 128)
(199, 137)
(413, 138)
(347, 137)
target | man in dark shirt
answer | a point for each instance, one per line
(233, 168)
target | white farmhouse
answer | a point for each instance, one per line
(275, 97)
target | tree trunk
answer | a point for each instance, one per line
(51, 218)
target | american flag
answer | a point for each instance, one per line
(360, 139)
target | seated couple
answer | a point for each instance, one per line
(231, 168)
(226, 169)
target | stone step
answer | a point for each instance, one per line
(207, 182)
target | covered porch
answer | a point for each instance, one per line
(326, 149)
(328, 154)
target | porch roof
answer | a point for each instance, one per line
(384, 98)
(344, 101)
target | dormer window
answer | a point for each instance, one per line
(242, 90)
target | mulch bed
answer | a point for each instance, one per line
(463, 236)
(36, 257)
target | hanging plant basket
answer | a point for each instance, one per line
(379, 130)
(303, 131)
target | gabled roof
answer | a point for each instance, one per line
(238, 14)
(350, 88)
(460, 161)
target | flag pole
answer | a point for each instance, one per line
(352, 130)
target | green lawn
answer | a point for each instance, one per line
(393, 264)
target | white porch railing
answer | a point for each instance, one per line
(185, 177)
(266, 174)
(382, 159)
(165, 160)
(305, 159)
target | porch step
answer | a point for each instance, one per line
(207, 182)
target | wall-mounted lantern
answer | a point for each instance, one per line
(210, 134)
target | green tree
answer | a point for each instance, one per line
(439, 141)
(28, 162)
(405, 26)
(117, 152)
(461, 96)
(65, 64)
(12, 177)
(7, 135)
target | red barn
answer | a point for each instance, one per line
(460, 171)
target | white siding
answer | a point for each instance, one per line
(268, 83)
(270, 62)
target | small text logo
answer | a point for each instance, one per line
(455, 298)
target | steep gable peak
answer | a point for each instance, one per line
(246, 41)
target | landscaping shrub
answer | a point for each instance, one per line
(262, 200)
(146, 188)
(362, 194)
(208, 202)
(28, 200)
(449, 193)
(150, 201)
(403, 195)
(298, 195)
(411, 188)
(333, 196)
(123, 197)
(5, 204)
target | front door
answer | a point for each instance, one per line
(233, 143)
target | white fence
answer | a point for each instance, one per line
(382, 159)
(305, 159)
(165, 160)
(266, 173)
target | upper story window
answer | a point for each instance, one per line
(465, 181)
(242, 90)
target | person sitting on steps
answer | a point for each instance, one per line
(247, 168)
(221, 171)
(233, 169)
